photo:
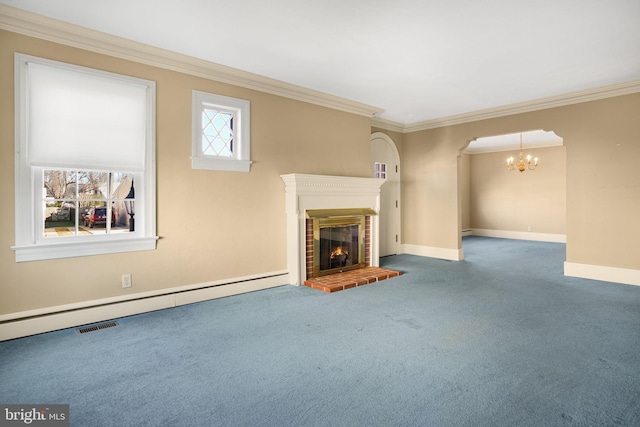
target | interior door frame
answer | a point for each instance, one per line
(397, 213)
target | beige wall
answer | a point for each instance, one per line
(430, 214)
(464, 186)
(603, 183)
(602, 140)
(514, 201)
(212, 225)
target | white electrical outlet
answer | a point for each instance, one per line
(529, 228)
(126, 280)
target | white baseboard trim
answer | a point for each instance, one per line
(600, 272)
(520, 235)
(433, 252)
(22, 324)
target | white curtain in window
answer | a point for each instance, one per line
(80, 119)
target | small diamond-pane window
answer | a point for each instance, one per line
(217, 133)
(380, 170)
(221, 132)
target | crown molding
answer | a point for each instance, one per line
(53, 30)
(594, 94)
(388, 124)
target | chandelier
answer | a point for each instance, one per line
(521, 165)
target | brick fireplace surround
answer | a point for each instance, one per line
(309, 192)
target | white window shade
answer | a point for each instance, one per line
(81, 119)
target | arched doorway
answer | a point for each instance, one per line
(504, 202)
(385, 163)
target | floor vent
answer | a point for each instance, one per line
(97, 327)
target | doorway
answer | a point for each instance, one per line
(385, 163)
(500, 199)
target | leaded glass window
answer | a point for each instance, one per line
(217, 133)
(221, 133)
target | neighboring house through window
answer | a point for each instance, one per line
(221, 133)
(85, 161)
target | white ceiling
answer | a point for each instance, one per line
(418, 60)
(508, 142)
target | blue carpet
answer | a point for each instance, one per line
(499, 339)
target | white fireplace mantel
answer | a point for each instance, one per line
(304, 192)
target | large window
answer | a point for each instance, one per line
(221, 139)
(85, 161)
(84, 203)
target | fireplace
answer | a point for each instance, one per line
(335, 201)
(337, 240)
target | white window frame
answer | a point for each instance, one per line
(380, 170)
(30, 246)
(240, 160)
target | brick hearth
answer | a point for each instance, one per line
(350, 279)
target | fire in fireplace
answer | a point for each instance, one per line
(340, 255)
(338, 246)
(338, 240)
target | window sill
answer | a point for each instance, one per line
(232, 165)
(76, 249)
